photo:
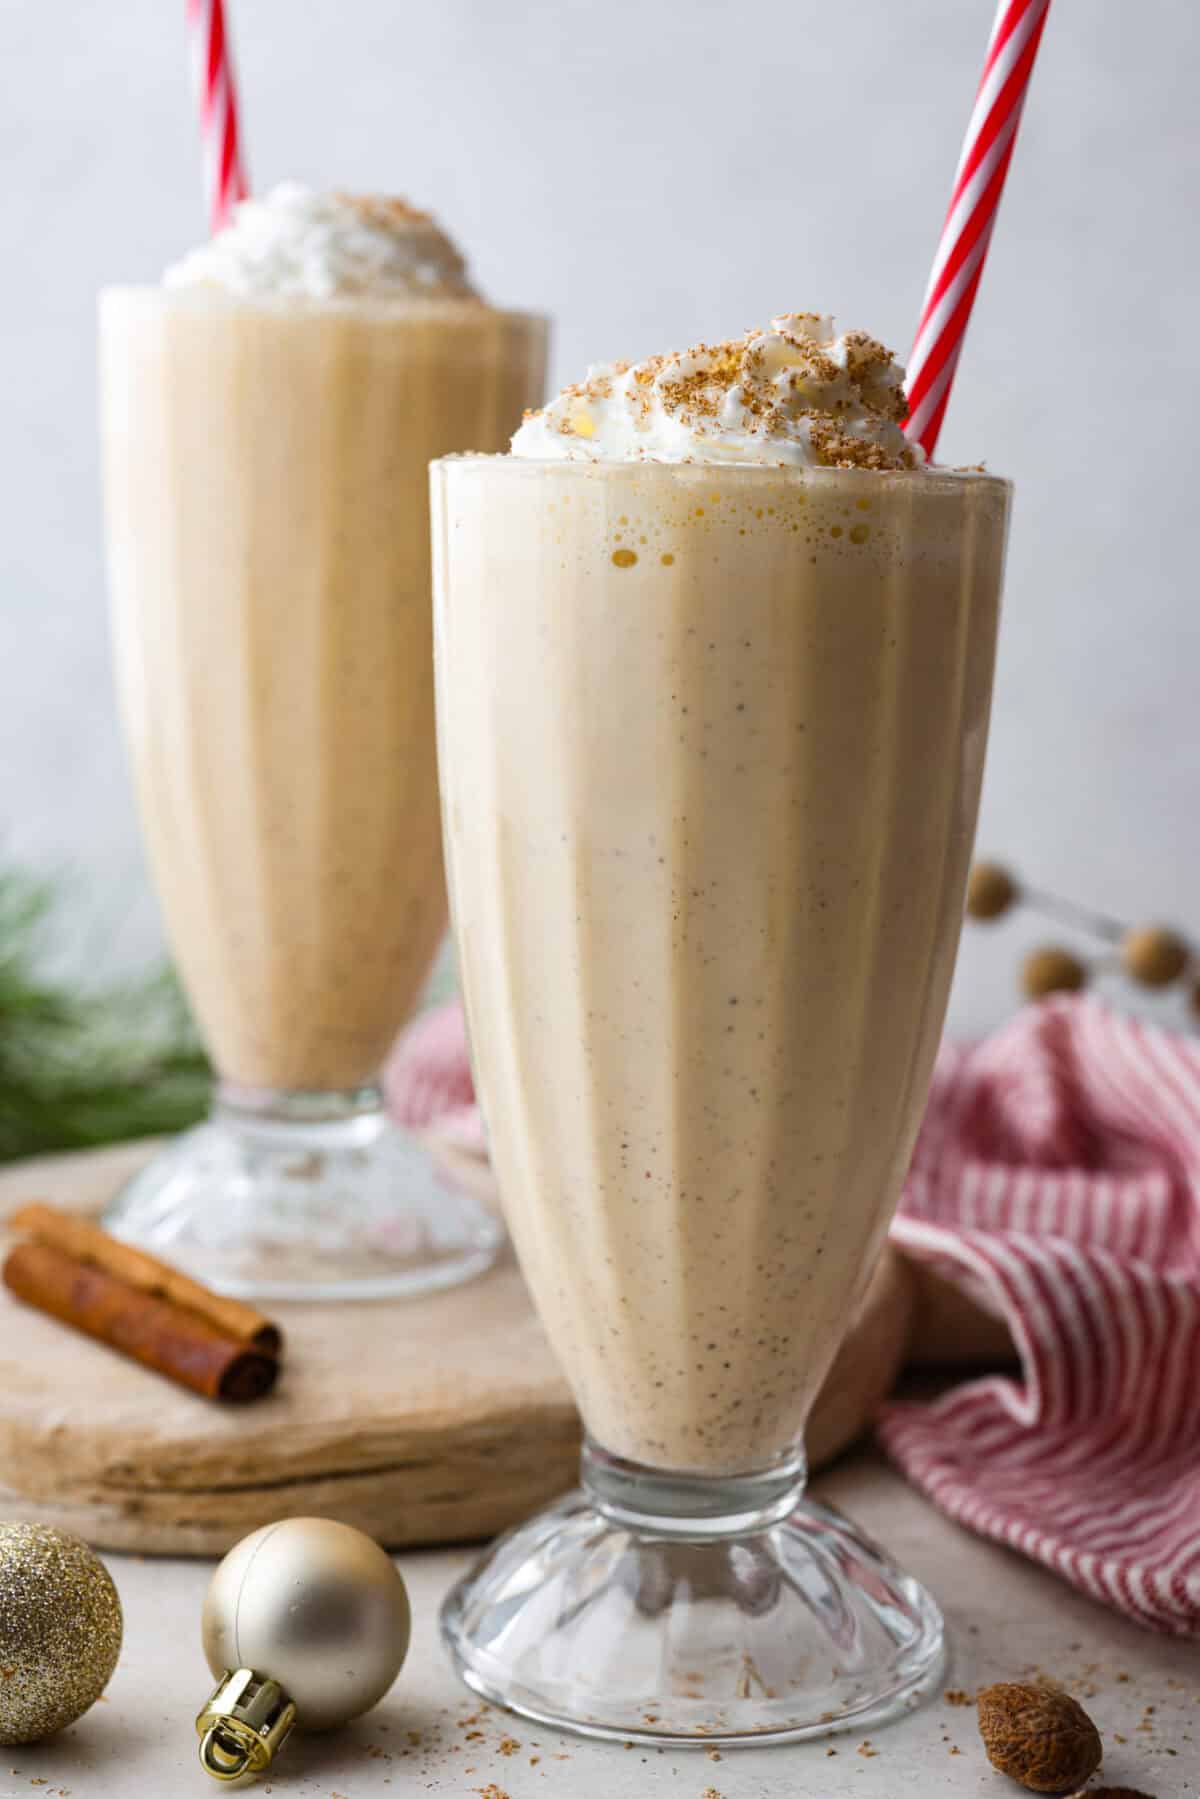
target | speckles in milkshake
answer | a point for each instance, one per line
(624, 558)
(695, 1205)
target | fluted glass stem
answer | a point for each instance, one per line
(691, 1506)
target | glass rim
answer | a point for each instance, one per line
(923, 480)
(219, 299)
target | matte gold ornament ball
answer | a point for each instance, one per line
(60, 1630)
(317, 1607)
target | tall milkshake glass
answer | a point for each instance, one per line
(711, 741)
(266, 436)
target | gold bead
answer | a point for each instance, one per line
(1047, 971)
(60, 1630)
(991, 890)
(1154, 955)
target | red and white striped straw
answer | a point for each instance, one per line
(978, 184)
(212, 60)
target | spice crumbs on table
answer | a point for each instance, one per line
(958, 1696)
(508, 1745)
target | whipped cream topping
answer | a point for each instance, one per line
(796, 393)
(299, 243)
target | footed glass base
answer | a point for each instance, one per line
(306, 1196)
(674, 1611)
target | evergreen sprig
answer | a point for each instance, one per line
(80, 1068)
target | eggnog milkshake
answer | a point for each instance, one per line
(714, 664)
(268, 416)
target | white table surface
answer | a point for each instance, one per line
(1007, 1618)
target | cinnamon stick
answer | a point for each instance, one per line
(174, 1340)
(79, 1238)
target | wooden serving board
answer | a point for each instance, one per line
(421, 1421)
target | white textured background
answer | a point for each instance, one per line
(649, 172)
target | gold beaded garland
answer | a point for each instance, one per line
(1052, 970)
(1154, 955)
(991, 890)
(60, 1630)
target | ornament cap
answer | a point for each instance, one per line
(244, 1725)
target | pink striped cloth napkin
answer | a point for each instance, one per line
(1056, 1178)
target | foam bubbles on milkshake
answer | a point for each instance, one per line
(796, 393)
(300, 244)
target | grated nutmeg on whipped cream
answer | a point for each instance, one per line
(300, 244)
(796, 393)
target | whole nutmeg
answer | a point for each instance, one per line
(1113, 1793)
(991, 890)
(1154, 955)
(1039, 1736)
(1047, 971)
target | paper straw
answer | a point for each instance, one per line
(212, 61)
(966, 234)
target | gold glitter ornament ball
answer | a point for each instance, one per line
(60, 1630)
